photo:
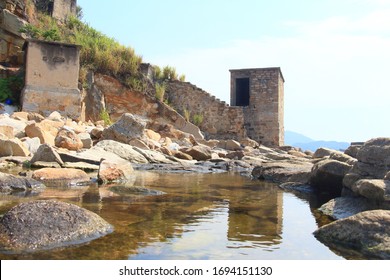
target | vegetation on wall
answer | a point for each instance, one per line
(10, 89)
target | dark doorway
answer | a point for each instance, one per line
(242, 92)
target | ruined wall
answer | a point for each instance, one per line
(51, 81)
(58, 9)
(219, 119)
(264, 115)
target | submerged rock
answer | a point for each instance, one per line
(38, 225)
(367, 232)
(15, 184)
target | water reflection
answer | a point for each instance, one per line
(200, 216)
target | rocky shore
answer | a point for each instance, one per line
(60, 152)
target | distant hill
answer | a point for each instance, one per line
(306, 143)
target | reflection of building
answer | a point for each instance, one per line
(251, 221)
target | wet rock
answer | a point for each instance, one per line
(68, 139)
(134, 190)
(115, 172)
(61, 177)
(327, 175)
(343, 207)
(367, 232)
(128, 127)
(14, 184)
(283, 171)
(124, 151)
(199, 152)
(13, 147)
(39, 225)
(47, 153)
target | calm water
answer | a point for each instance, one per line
(201, 216)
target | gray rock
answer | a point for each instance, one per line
(283, 171)
(375, 190)
(15, 184)
(327, 175)
(343, 158)
(134, 190)
(86, 139)
(353, 150)
(153, 156)
(343, 207)
(323, 152)
(47, 153)
(127, 128)
(124, 151)
(366, 232)
(32, 144)
(18, 125)
(39, 225)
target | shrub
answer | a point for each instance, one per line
(160, 91)
(186, 114)
(135, 84)
(10, 89)
(105, 116)
(197, 119)
(182, 78)
(169, 73)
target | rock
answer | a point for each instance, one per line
(7, 131)
(124, 151)
(373, 162)
(115, 172)
(134, 190)
(230, 145)
(152, 135)
(15, 184)
(35, 117)
(343, 158)
(139, 144)
(55, 116)
(247, 142)
(97, 132)
(46, 153)
(353, 150)
(235, 155)
(343, 207)
(32, 144)
(86, 140)
(61, 177)
(375, 189)
(13, 147)
(323, 152)
(68, 139)
(387, 176)
(44, 131)
(127, 128)
(327, 175)
(38, 225)
(153, 156)
(181, 155)
(283, 171)
(18, 126)
(199, 152)
(367, 232)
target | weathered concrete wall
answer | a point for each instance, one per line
(51, 81)
(219, 119)
(58, 9)
(264, 115)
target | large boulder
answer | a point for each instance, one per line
(367, 232)
(17, 125)
(323, 152)
(46, 131)
(127, 128)
(373, 162)
(327, 175)
(15, 184)
(61, 177)
(47, 153)
(38, 225)
(375, 190)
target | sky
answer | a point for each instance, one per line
(334, 54)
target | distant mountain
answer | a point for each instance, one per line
(305, 143)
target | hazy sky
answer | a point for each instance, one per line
(334, 54)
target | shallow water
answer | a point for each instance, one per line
(200, 216)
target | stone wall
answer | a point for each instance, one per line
(58, 9)
(219, 119)
(51, 81)
(264, 113)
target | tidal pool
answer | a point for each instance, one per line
(199, 216)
